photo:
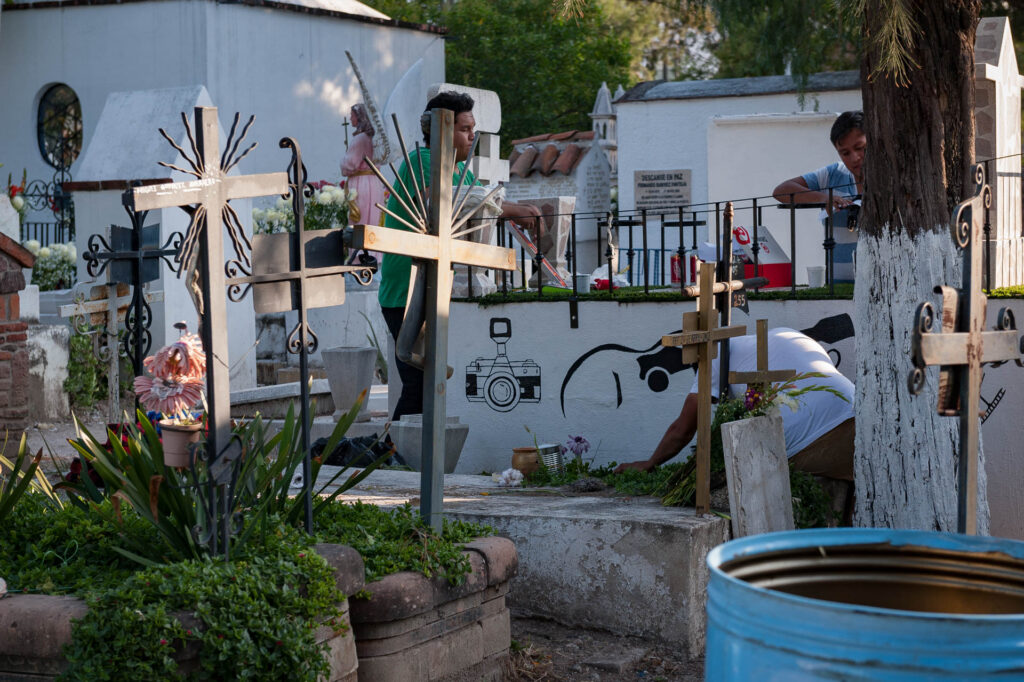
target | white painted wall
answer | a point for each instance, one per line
(287, 68)
(673, 134)
(631, 429)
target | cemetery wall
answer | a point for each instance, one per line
(599, 381)
(288, 68)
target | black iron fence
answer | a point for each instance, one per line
(640, 237)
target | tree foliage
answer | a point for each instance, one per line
(545, 67)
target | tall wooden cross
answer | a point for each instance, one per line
(433, 239)
(699, 340)
(962, 347)
(762, 375)
(202, 255)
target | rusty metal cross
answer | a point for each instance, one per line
(699, 342)
(433, 241)
(962, 347)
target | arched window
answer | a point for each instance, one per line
(59, 126)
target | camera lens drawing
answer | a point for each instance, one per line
(498, 381)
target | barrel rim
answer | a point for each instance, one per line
(768, 543)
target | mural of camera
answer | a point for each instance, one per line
(498, 381)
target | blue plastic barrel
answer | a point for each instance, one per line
(865, 604)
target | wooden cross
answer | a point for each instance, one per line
(762, 375)
(202, 256)
(962, 347)
(698, 340)
(107, 306)
(436, 244)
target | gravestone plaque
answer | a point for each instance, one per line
(661, 188)
(757, 473)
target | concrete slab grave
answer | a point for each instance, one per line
(625, 565)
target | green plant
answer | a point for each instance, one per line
(381, 363)
(254, 618)
(87, 374)
(327, 207)
(398, 540)
(16, 478)
(133, 471)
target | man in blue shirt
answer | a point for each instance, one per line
(846, 179)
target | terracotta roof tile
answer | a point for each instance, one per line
(566, 136)
(546, 159)
(535, 138)
(513, 156)
(522, 164)
(568, 159)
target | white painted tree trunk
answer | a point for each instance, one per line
(906, 454)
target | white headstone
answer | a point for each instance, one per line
(757, 471)
(487, 165)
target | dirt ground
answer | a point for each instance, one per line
(544, 650)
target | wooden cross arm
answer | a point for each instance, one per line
(101, 306)
(689, 338)
(731, 285)
(952, 348)
(191, 192)
(761, 377)
(425, 246)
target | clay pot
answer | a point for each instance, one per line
(176, 441)
(525, 460)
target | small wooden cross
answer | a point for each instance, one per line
(201, 255)
(699, 344)
(962, 347)
(438, 246)
(762, 375)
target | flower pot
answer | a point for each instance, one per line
(349, 373)
(176, 441)
(525, 460)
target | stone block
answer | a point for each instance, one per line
(288, 375)
(349, 571)
(757, 472)
(500, 555)
(33, 631)
(395, 596)
(272, 402)
(407, 435)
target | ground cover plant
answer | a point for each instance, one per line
(636, 294)
(130, 543)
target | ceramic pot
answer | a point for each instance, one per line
(525, 460)
(349, 373)
(176, 441)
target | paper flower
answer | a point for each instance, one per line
(178, 378)
(509, 478)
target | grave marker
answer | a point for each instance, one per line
(961, 347)
(757, 473)
(434, 240)
(698, 342)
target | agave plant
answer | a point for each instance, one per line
(16, 479)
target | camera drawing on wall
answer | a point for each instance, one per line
(498, 381)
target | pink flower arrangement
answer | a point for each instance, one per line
(178, 379)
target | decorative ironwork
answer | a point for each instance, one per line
(961, 346)
(297, 270)
(133, 257)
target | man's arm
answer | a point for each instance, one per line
(679, 433)
(526, 216)
(796, 191)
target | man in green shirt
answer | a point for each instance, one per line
(395, 269)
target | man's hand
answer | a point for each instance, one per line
(643, 465)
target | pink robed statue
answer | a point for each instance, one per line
(369, 189)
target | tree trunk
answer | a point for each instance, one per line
(920, 132)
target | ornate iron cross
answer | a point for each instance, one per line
(962, 347)
(762, 375)
(698, 341)
(434, 242)
(133, 257)
(201, 255)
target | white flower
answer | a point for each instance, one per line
(70, 253)
(33, 246)
(44, 252)
(18, 202)
(351, 194)
(509, 478)
(787, 400)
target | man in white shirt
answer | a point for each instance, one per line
(819, 433)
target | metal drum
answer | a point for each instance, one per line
(865, 604)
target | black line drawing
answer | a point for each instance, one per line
(498, 381)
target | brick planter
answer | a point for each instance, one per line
(416, 629)
(34, 628)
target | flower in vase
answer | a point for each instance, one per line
(172, 395)
(178, 378)
(184, 357)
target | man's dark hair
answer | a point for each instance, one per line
(847, 121)
(458, 102)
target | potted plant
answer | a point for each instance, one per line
(175, 387)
